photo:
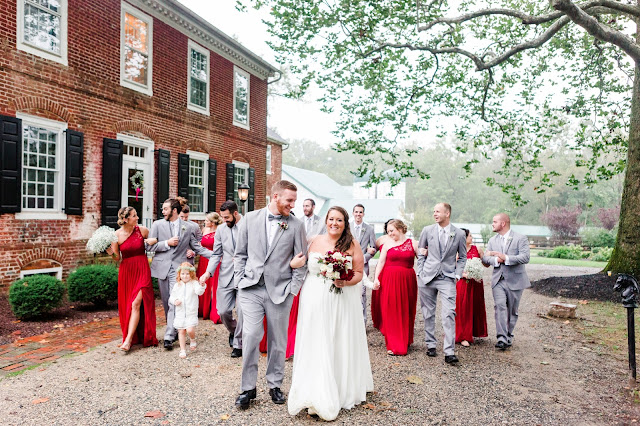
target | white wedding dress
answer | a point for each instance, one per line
(331, 368)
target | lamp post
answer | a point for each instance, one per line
(243, 193)
(627, 285)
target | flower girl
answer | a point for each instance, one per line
(184, 296)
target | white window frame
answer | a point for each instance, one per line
(269, 156)
(245, 166)
(205, 181)
(47, 271)
(242, 72)
(58, 127)
(191, 106)
(146, 89)
(26, 47)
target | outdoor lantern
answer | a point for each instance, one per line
(243, 192)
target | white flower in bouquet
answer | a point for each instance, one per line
(338, 256)
(101, 239)
(474, 269)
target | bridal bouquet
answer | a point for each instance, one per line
(474, 269)
(335, 266)
(101, 239)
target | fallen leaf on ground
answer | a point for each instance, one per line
(567, 322)
(369, 407)
(225, 417)
(16, 333)
(583, 302)
(544, 363)
(58, 326)
(15, 322)
(415, 380)
(165, 422)
(185, 375)
(39, 400)
(155, 414)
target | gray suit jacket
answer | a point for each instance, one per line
(514, 274)
(434, 263)
(317, 227)
(367, 239)
(165, 257)
(223, 249)
(252, 260)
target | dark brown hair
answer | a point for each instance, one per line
(346, 239)
(174, 204)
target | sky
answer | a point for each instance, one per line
(292, 119)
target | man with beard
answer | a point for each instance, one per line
(224, 244)
(312, 224)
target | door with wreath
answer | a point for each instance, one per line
(136, 182)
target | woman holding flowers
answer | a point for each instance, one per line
(331, 368)
(471, 317)
(398, 285)
(136, 303)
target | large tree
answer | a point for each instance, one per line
(508, 81)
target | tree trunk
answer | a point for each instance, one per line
(626, 253)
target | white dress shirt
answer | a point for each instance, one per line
(272, 227)
(504, 247)
(175, 231)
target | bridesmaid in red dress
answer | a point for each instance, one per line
(375, 295)
(136, 302)
(207, 302)
(398, 285)
(471, 316)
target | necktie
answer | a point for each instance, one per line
(443, 241)
(503, 240)
(308, 224)
(275, 216)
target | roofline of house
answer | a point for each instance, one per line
(277, 141)
(195, 27)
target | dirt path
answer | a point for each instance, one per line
(550, 376)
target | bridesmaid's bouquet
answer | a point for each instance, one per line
(336, 266)
(101, 239)
(474, 269)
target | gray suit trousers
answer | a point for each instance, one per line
(428, 299)
(166, 285)
(255, 303)
(506, 309)
(225, 302)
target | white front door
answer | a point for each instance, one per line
(137, 177)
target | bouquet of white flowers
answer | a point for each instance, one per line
(474, 269)
(101, 239)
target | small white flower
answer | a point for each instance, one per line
(452, 234)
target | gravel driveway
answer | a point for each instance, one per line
(550, 376)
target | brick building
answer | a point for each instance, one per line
(114, 103)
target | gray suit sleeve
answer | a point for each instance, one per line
(371, 243)
(240, 255)
(195, 245)
(160, 246)
(299, 246)
(217, 253)
(486, 259)
(462, 254)
(422, 244)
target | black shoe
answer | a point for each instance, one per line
(168, 345)
(230, 340)
(502, 345)
(451, 359)
(244, 399)
(236, 353)
(277, 396)
(431, 352)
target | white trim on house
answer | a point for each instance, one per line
(205, 52)
(57, 211)
(269, 159)
(47, 271)
(205, 181)
(148, 164)
(146, 89)
(43, 53)
(240, 71)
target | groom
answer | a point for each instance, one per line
(267, 241)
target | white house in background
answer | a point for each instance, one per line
(376, 212)
(380, 191)
(315, 185)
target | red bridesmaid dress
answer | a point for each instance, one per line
(207, 302)
(291, 333)
(471, 316)
(376, 315)
(134, 276)
(398, 298)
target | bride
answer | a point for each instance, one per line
(331, 368)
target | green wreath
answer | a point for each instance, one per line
(137, 180)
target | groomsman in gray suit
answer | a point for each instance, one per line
(438, 271)
(508, 253)
(366, 236)
(313, 225)
(267, 241)
(175, 236)
(224, 246)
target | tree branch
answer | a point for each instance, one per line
(596, 29)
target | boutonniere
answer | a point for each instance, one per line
(452, 234)
(509, 238)
(183, 228)
(283, 225)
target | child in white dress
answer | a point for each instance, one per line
(184, 296)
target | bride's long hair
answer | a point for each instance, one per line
(346, 239)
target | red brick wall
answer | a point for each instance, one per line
(88, 96)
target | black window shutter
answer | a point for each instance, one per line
(231, 170)
(73, 177)
(164, 163)
(111, 181)
(10, 164)
(252, 189)
(183, 176)
(212, 193)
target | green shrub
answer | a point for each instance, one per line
(156, 287)
(601, 254)
(97, 284)
(543, 253)
(566, 252)
(35, 295)
(598, 237)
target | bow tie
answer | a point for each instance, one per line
(275, 217)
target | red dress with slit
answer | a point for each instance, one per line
(207, 302)
(134, 276)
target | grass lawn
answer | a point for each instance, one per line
(539, 260)
(605, 324)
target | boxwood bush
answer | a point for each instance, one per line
(35, 295)
(598, 237)
(567, 252)
(97, 284)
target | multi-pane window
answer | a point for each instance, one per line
(137, 37)
(40, 168)
(196, 185)
(240, 98)
(42, 28)
(198, 78)
(240, 176)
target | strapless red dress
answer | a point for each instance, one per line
(375, 305)
(207, 302)
(134, 276)
(471, 315)
(398, 298)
